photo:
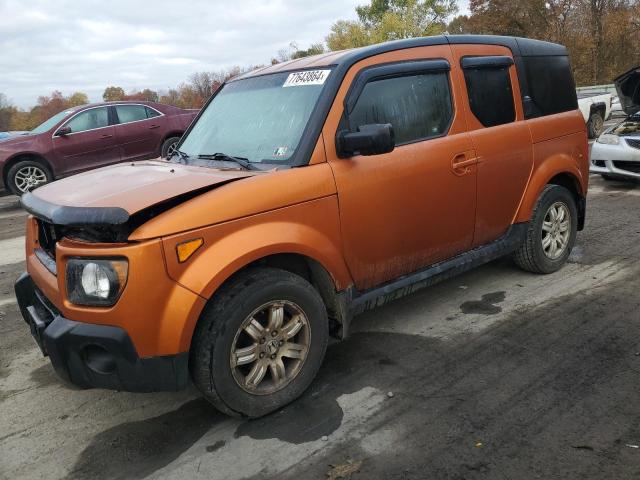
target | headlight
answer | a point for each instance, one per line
(608, 139)
(96, 282)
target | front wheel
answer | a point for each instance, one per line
(260, 342)
(552, 232)
(26, 175)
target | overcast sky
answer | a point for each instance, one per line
(87, 45)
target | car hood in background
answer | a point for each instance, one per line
(628, 87)
(111, 195)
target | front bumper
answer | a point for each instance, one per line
(95, 356)
(620, 160)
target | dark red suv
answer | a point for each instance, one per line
(90, 136)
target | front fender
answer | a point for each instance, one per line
(311, 229)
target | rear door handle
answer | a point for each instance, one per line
(460, 164)
(106, 136)
(154, 126)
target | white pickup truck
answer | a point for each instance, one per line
(595, 108)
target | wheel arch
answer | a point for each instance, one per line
(560, 170)
(23, 156)
(598, 107)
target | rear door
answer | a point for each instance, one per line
(415, 206)
(501, 138)
(90, 144)
(139, 130)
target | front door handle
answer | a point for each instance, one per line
(106, 136)
(461, 164)
(154, 126)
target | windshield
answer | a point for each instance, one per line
(47, 124)
(260, 119)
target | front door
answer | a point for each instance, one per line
(500, 135)
(415, 206)
(91, 142)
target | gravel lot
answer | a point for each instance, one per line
(497, 374)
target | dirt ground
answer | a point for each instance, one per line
(497, 374)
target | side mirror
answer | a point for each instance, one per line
(372, 139)
(63, 131)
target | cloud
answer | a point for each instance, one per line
(69, 45)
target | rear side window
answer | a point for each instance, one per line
(131, 113)
(490, 94)
(417, 106)
(152, 113)
(551, 86)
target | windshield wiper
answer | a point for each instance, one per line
(243, 162)
(182, 155)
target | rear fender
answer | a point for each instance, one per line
(541, 176)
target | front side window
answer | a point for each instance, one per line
(47, 124)
(260, 118)
(417, 106)
(490, 95)
(89, 120)
(131, 113)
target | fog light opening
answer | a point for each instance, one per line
(99, 360)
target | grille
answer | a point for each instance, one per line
(628, 166)
(47, 237)
(632, 142)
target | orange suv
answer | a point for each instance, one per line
(303, 194)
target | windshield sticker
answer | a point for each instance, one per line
(280, 151)
(308, 77)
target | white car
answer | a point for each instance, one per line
(616, 153)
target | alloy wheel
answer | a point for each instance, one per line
(27, 178)
(556, 230)
(270, 347)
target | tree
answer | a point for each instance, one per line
(601, 35)
(384, 20)
(6, 112)
(113, 94)
(78, 98)
(149, 95)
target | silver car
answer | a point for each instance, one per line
(616, 153)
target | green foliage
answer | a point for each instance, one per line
(384, 20)
(113, 94)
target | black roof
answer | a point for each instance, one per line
(520, 47)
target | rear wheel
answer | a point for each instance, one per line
(26, 175)
(595, 125)
(169, 147)
(552, 232)
(260, 342)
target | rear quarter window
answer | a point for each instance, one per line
(551, 86)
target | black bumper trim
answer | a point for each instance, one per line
(96, 356)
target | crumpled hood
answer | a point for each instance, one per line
(628, 88)
(111, 195)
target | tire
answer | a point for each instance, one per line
(532, 255)
(595, 125)
(167, 146)
(220, 332)
(26, 175)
